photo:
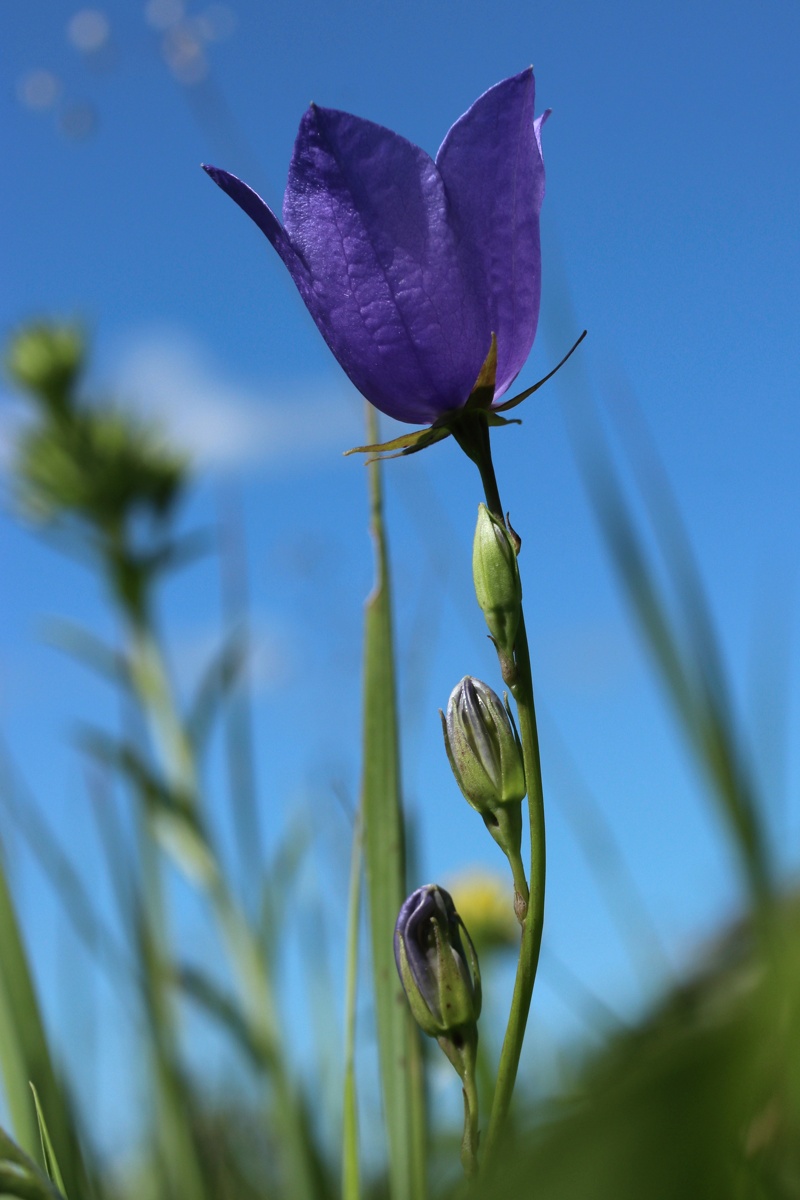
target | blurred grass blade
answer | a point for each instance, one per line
(384, 851)
(680, 635)
(221, 676)
(176, 1147)
(25, 1056)
(68, 886)
(690, 674)
(351, 1186)
(173, 821)
(616, 883)
(48, 1152)
(239, 723)
(174, 818)
(19, 1175)
(88, 649)
(224, 1009)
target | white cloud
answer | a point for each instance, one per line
(225, 425)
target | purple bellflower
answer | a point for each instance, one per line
(423, 277)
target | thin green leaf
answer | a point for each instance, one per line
(68, 885)
(220, 677)
(19, 1175)
(90, 650)
(177, 1154)
(174, 816)
(48, 1152)
(225, 1009)
(384, 838)
(25, 1055)
(351, 1185)
(690, 679)
(181, 552)
(239, 714)
(679, 635)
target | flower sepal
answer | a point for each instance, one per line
(480, 400)
(515, 400)
(479, 403)
(408, 443)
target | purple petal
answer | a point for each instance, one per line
(491, 164)
(401, 309)
(251, 203)
(417, 910)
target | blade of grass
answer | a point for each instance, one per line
(48, 1150)
(178, 778)
(25, 1056)
(240, 747)
(384, 851)
(683, 644)
(68, 887)
(351, 1186)
(175, 1142)
(690, 676)
(20, 1176)
(604, 857)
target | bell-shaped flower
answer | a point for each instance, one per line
(423, 276)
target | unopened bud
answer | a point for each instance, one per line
(482, 747)
(47, 360)
(438, 965)
(486, 759)
(496, 576)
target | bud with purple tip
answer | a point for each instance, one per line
(437, 964)
(439, 971)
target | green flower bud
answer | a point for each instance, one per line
(497, 582)
(486, 759)
(47, 360)
(438, 966)
(482, 747)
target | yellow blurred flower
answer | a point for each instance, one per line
(485, 902)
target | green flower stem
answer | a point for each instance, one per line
(463, 1054)
(506, 820)
(469, 1143)
(534, 921)
(521, 893)
(475, 442)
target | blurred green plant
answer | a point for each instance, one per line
(701, 1098)
(92, 463)
(91, 472)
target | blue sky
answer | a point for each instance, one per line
(670, 232)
